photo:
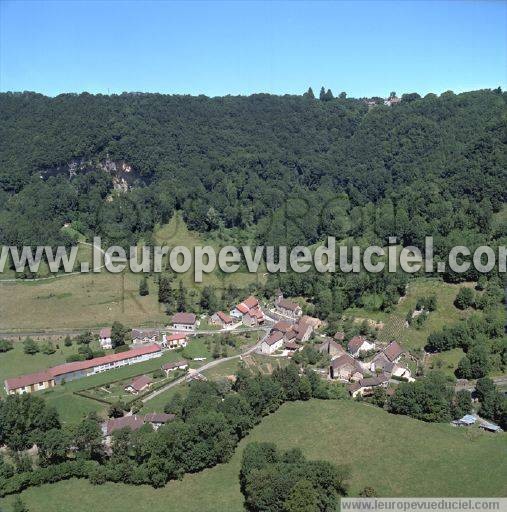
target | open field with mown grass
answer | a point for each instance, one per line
(396, 455)
(91, 301)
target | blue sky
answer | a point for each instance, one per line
(217, 48)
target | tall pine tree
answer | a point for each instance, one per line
(182, 298)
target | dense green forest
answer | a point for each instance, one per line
(271, 169)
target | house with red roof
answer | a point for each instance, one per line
(175, 340)
(223, 320)
(244, 307)
(255, 316)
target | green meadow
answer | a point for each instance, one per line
(396, 455)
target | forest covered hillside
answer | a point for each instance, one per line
(427, 166)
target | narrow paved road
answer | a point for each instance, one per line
(202, 368)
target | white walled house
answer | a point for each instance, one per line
(184, 322)
(359, 344)
(176, 340)
(272, 343)
(105, 338)
(287, 308)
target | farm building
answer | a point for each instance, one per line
(365, 386)
(29, 383)
(466, 421)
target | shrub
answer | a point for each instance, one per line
(6, 345)
(465, 298)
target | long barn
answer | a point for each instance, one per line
(70, 371)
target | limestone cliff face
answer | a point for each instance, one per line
(123, 175)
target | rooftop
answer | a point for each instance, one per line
(184, 318)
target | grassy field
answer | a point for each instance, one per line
(96, 300)
(396, 455)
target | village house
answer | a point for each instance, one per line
(291, 347)
(176, 365)
(134, 422)
(394, 351)
(365, 387)
(254, 317)
(345, 368)
(221, 319)
(78, 369)
(287, 308)
(303, 331)
(331, 348)
(157, 419)
(381, 364)
(105, 338)
(244, 307)
(175, 340)
(282, 326)
(184, 322)
(139, 384)
(311, 320)
(272, 343)
(393, 100)
(290, 335)
(359, 344)
(387, 362)
(144, 336)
